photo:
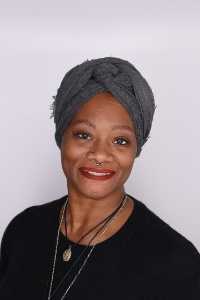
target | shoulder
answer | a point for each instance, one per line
(163, 243)
(168, 258)
(157, 231)
(37, 212)
(32, 221)
(157, 243)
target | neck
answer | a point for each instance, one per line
(83, 213)
(82, 210)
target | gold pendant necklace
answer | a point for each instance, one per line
(108, 224)
(67, 254)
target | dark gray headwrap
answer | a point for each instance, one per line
(109, 74)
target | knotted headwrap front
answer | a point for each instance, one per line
(113, 75)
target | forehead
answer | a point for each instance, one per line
(103, 105)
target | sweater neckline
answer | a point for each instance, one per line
(120, 237)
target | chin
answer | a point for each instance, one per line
(100, 193)
(96, 195)
(95, 190)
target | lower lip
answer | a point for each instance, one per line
(91, 176)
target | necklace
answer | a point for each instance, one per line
(68, 252)
(109, 222)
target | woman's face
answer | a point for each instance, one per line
(100, 132)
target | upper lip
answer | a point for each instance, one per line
(99, 170)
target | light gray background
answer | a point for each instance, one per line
(41, 40)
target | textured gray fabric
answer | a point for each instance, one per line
(109, 74)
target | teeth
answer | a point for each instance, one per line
(97, 174)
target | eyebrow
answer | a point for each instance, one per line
(122, 127)
(115, 127)
(84, 122)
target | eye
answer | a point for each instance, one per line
(83, 135)
(121, 141)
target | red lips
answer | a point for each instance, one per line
(96, 174)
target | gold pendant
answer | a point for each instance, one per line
(67, 254)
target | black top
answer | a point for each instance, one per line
(144, 260)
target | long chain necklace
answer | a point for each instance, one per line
(68, 252)
(80, 256)
(109, 221)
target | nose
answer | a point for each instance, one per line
(100, 153)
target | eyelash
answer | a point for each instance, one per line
(123, 141)
(82, 134)
(86, 136)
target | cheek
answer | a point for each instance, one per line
(66, 158)
(69, 157)
(127, 163)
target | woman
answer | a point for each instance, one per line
(98, 242)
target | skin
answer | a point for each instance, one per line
(100, 131)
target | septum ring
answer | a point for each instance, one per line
(99, 164)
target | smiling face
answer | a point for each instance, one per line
(100, 132)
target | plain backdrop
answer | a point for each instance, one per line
(42, 40)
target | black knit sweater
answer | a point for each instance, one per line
(144, 260)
